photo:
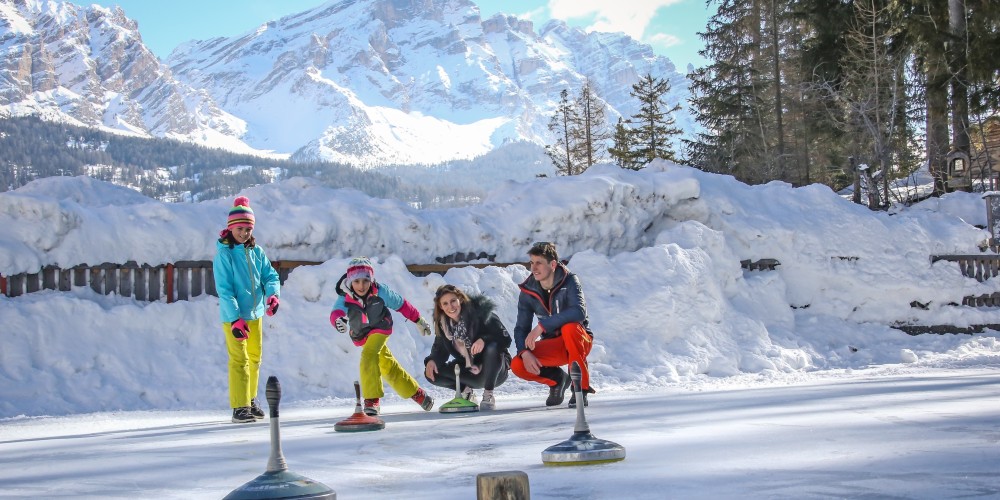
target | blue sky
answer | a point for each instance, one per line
(669, 26)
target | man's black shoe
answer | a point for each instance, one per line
(558, 392)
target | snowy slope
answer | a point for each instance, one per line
(719, 382)
(658, 250)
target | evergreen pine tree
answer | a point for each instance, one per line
(593, 133)
(655, 125)
(623, 149)
(565, 125)
(727, 95)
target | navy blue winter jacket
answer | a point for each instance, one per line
(565, 305)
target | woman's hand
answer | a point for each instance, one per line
(478, 346)
(430, 370)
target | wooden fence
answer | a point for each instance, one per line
(186, 279)
(178, 281)
(981, 267)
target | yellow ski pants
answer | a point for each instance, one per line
(244, 363)
(377, 363)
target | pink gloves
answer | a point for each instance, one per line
(241, 330)
(272, 305)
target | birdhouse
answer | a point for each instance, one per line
(958, 170)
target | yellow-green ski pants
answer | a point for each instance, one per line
(244, 363)
(377, 363)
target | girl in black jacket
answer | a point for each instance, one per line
(468, 330)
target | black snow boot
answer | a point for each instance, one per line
(557, 392)
(242, 415)
(256, 410)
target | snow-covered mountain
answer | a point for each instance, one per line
(360, 81)
(410, 81)
(88, 66)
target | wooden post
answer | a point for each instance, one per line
(503, 485)
(110, 278)
(141, 290)
(96, 279)
(210, 282)
(197, 283)
(16, 285)
(3, 284)
(168, 282)
(49, 274)
(80, 275)
(65, 280)
(126, 278)
(154, 283)
(183, 285)
(32, 282)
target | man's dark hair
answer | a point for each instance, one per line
(545, 250)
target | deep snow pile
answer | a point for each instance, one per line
(658, 252)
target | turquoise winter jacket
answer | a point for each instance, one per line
(244, 279)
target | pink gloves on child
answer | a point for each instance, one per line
(241, 330)
(272, 305)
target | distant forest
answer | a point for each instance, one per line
(167, 169)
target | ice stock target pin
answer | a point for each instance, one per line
(582, 448)
(359, 421)
(278, 482)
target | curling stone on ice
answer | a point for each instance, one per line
(359, 421)
(278, 481)
(458, 404)
(582, 448)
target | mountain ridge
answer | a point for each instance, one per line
(365, 82)
(89, 67)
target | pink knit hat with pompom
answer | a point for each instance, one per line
(360, 267)
(241, 215)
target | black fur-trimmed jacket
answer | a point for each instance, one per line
(482, 323)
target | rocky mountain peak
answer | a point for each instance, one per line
(359, 81)
(88, 66)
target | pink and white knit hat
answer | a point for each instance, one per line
(360, 267)
(241, 214)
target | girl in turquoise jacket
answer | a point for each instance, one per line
(248, 287)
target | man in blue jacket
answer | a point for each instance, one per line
(562, 334)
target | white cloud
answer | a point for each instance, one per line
(665, 40)
(631, 18)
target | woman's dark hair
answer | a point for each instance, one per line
(229, 239)
(442, 290)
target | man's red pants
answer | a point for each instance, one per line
(573, 344)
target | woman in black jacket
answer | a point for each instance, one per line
(467, 329)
